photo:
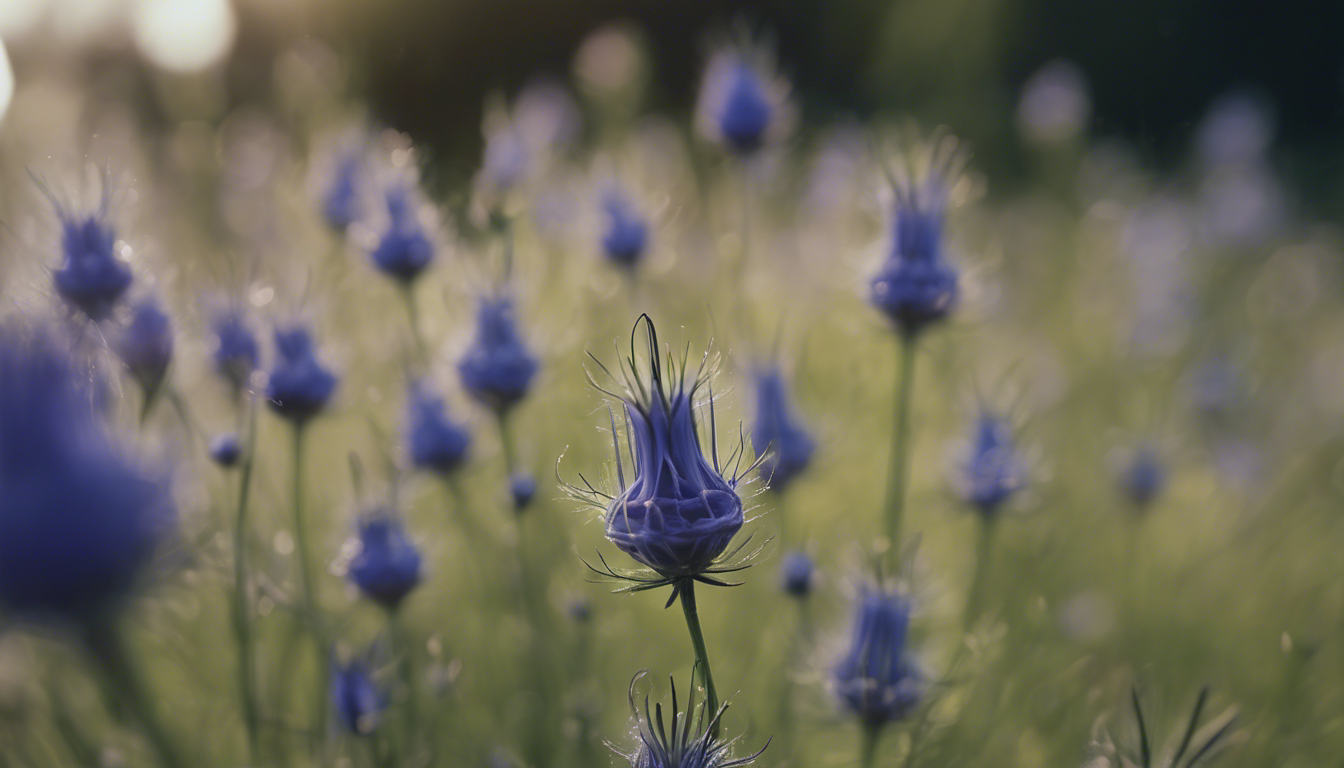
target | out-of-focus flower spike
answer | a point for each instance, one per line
(300, 385)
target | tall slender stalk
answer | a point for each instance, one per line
(242, 609)
(125, 687)
(505, 442)
(404, 648)
(899, 471)
(413, 317)
(868, 739)
(311, 609)
(686, 588)
(984, 551)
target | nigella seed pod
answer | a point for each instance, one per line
(916, 286)
(876, 680)
(497, 368)
(404, 251)
(145, 344)
(237, 353)
(341, 198)
(79, 521)
(992, 471)
(437, 444)
(679, 512)
(522, 489)
(626, 236)
(300, 386)
(226, 450)
(796, 574)
(1143, 477)
(777, 433)
(690, 740)
(357, 698)
(387, 567)
(91, 278)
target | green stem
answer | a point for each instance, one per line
(126, 685)
(898, 473)
(405, 650)
(242, 629)
(311, 609)
(413, 315)
(984, 551)
(505, 442)
(687, 591)
(869, 737)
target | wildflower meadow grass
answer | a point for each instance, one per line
(689, 440)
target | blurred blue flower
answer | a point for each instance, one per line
(225, 449)
(916, 286)
(797, 574)
(358, 700)
(744, 116)
(341, 198)
(79, 521)
(876, 679)
(992, 471)
(497, 368)
(91, 278)
(404, 250)
(437, 444)
(627, 233)
(688, 741)
(387, 567)
(237, 353)
(504, 164)
(778, 431)
(1143, 477)
(299, 386)
(522, 488)
(145, 344)
(679, 513)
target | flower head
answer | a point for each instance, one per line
(341, 197)
(916, 286)
(796, 575)
(688, 741)
(387, 567)
(1143, 476)
(225, 449)
(497, 368)
(91, 278)
(300, 385)
(992, 471)
(405, 250)
(626, 236)
(145, 344)
(357, 698)
(522, 489)
(741, 103)
(778, 433)
(79, 521)
(237, 353)
(876, 679)
(679, 512)
(436, 443)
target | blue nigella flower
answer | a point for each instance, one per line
(778, 432)
(404, 250)
(688, 741)
(91, 278)
(522, 487)
(387, 567)
(679, 512)
(992, 472)
(357, 698)
(797, 574)
(437, 444)
(744, 117)
(145, 344)
(1143, 477)
(79, 521)
(876, 679)
(627, 233)
(340, 200)
(225, 449)
(916, 286)
(505, 161)
(237, 353)
(299, 386)
(497, 368)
